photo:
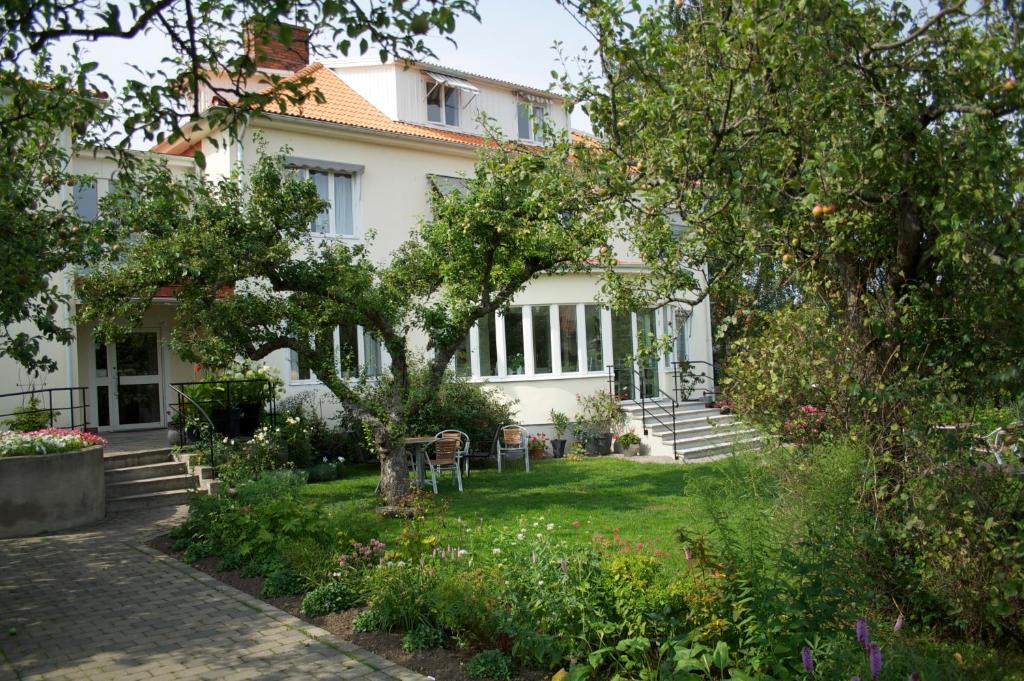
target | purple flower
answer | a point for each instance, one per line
(899, 623)
(856, 678)
(914, 677)
(875, 660)
(863, 636)
(808, 659)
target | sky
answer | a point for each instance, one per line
(514, 41)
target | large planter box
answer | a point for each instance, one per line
(51, 492)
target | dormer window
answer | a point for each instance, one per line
(445, 97)
(442, 104)
(531, 121)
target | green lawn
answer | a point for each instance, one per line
(646, 503)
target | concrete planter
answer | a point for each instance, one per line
(50, 492)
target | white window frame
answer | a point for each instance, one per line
(537, 123)
(444, 89)
(385, 359)
(303, 172)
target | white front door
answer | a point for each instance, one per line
(128, 379)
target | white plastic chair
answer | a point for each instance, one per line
(512, 442)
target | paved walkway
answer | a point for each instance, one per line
(98, 604)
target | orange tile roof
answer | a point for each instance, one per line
(343, 106)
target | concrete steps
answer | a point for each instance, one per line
(146, 479)
(700, 433)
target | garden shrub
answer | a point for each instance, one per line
(474, 408)
(769, 382)
(30, 416)
(334, 596)
(322, 472)
(283, 582)
(490, 664)
(423, 637)
(260, 526)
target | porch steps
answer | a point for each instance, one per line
(700, 433)
(146, 479)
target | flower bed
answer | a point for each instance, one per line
(46, 441)
(50, 479)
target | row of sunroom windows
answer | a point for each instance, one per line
(529, 340)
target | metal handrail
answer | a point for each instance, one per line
(710, 377)
(270, 396)
(53, 411)
(209, 423)
(636, 374)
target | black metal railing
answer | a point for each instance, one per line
(685, 379)
(235, 407)
(52, 402)
(208, 429)
(637, 385)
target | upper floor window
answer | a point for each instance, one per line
(531, 121)
(86, 201)
(442, 104)
(336, 188)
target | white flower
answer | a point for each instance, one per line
(536, 524)
(325, 459)
(495, 550)
(224, 441)
(551, 526)
(335, 574)
(462, 552)
(540, 583)
(539, 535)
(520, 536)
(341, 459)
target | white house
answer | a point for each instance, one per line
(384, 137)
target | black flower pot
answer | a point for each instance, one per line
(601, 443)
(558, 448)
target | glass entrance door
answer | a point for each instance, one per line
(128, 382)
(636, 372)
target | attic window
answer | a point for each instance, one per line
(444, 97)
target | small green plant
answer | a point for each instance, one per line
(322, 472)
(30, 416)
(331, 597)
(629, 439)
(283, 583)
(368, 620)
(561, 422)
(490, 664)
(423, 637)
(601, 413)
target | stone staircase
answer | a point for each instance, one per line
(700, 433)
(146, 479)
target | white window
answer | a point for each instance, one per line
(337, 189)
(531, 121)
(356, 351)
(86, 201)
(443, 104)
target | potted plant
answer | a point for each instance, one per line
(537, 446)
(561, 423)
(601, 414)
(175, 424)
(630, 443)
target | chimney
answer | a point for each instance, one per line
(277, 46)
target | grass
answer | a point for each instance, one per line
(642, 503)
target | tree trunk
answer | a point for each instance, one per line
(394, 477)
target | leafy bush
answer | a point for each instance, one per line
(600, 412)
(769, 382)
(474, 408)
(30, 416)
(335, 596)
(322, 472)
(423, 637)
(490, 664)
(266, 526)
(283, 582)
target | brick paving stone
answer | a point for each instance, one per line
(99, 604)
